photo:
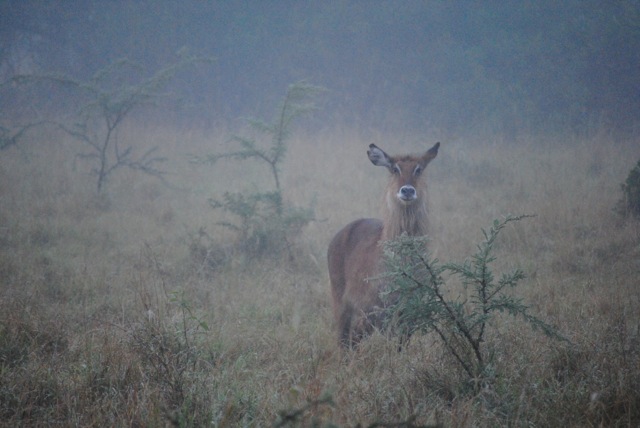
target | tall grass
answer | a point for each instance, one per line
(108, 317)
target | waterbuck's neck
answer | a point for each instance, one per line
(410, 219)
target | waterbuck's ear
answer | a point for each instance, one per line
(430, 154)
(378, 157)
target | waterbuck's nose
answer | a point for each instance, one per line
(407, 193)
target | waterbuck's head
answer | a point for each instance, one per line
(406, 186)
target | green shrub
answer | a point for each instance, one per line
(265, 223)
(630, 202)
(419, 300)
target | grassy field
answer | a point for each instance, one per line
(132, 308)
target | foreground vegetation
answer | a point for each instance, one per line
(134, 308)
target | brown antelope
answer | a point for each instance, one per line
(355, 254)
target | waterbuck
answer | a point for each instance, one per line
(355, 254)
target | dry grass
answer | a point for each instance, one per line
(109, 315)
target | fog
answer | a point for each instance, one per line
(162, 262)
(500, 69)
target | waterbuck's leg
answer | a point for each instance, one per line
(344, 326)
(403, 341)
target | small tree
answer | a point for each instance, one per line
(419, 301)
(110, 99)
(264, 221)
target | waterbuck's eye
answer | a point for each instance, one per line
(417, 171)
(396, 170)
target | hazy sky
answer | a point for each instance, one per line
(463, 67)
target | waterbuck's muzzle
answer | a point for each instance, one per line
(407, 194)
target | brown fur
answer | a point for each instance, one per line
(355, 255)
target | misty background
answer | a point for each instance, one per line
(494, 68)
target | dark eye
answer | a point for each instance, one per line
(417, 171)
(396, 170)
